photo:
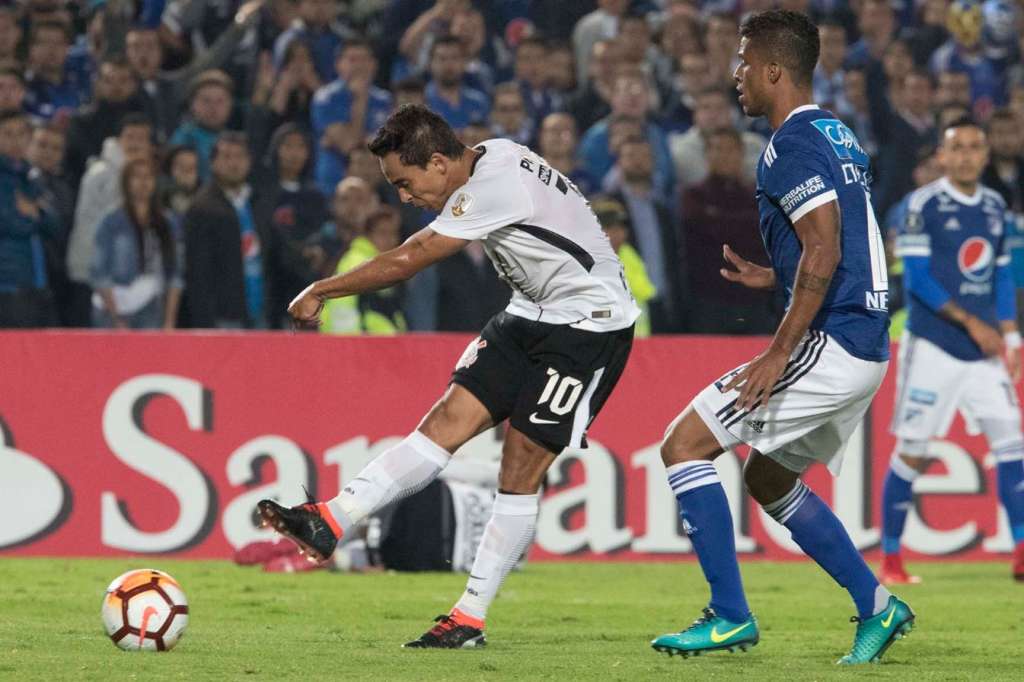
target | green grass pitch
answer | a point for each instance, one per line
(552, 621)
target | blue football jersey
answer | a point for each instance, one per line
(812, 159)
(965, 239)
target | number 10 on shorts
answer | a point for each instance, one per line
(562, 392)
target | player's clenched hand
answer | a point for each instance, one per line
(746, 273)
(305, 308)
(756, 381)
(989, 340)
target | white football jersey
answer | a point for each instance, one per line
(542, 238)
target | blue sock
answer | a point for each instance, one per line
(897, 497)
(1010, 476)
(822, 537)
(708, 522)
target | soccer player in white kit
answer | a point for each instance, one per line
(547, 363)
(961, 347)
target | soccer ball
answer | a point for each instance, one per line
(145, 610)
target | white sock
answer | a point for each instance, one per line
(506, 537)
(399, 472)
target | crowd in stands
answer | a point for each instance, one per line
(196, 163)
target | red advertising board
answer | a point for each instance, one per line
(162, 443)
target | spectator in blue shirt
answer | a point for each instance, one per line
(316, 26)
(828, 80)
(531, 74)
(509, 118)
(345, 110)
(631, 98)
(446, 94)
(877, 24)
(209, 110)
(25, 297)
(52, 89)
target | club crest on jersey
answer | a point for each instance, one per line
(462, 204)
(470, 354)
(975, 258)
(844, 142)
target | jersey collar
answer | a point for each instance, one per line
(952, 191)
(801, 109)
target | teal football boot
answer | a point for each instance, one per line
(876, 634)
(710, 632)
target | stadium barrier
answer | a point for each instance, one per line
(119, 443)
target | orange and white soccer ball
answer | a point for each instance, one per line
(145, 610)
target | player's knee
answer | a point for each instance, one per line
(765, 480)
(1004, 436)
(910, 457)
(687, 439)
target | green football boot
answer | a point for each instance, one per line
(709, 633)
(876, 634)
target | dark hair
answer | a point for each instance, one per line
(172, 152)
(727, 131)
(157, 222)
(356, 43)
(962, 122)
(415, 133)
(410, 84)
(786, 37)
(13, 72)
(1002, 114)
(446, 40)
(12, 115)
(634, 139)
(50, 25)
(134, 118)
(534, 41)
(117, 61)
(281, 133)
(229, 137)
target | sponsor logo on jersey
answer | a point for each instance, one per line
(807, 188)
(952, 224)
(976, 258)
(947, 205)
(844, 142)
(756, 425)
(461, 205)
(918, 395)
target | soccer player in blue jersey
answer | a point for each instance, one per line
(961, 348)
(797, 402)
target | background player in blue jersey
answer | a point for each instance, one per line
(797, 402)
(961, 348)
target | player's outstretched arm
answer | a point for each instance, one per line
(818, 231)
(419, 251)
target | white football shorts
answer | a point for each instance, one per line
(815, 406)
(932, 386)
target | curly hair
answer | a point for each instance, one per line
(786, 37)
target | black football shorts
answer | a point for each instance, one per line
(548, 380)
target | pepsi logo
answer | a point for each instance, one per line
(976, 258)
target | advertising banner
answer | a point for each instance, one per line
(115, 443)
